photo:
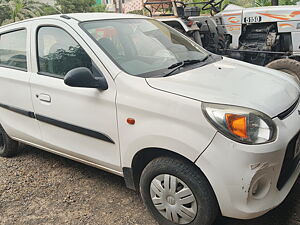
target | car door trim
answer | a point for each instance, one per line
(18, 110)
(74, 128)
(61, 124)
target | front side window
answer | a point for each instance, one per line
(13, 50)
(142, 46)
(58, 52)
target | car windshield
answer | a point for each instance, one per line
(143, 47)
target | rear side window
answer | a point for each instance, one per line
(58, 52)
(13, 50)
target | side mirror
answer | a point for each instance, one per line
(83, 77)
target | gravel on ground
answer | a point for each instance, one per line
(38, 187)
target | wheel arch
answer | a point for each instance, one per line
(141, 160)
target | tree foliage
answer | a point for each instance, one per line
(288, 2)
(15, 10)
(75, 6)
(258, 3)
(3, 13)
(50, 10)
(98, 8)
(281, 2)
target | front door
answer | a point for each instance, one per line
(78, 122)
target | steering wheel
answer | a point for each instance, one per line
(213, 6)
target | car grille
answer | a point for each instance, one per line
(289, 163)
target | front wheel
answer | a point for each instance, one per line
(175, 192)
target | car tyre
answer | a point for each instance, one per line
(289, 66)
(175, 192)
(8, 147)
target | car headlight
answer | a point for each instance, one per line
(240, 124)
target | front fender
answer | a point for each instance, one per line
(152, 142)
(162, 120)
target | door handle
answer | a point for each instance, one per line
(44, 97)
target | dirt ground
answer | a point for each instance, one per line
(41, 188)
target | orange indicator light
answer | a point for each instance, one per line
(131, 121)
(237, 124)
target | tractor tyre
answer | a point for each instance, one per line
(197, 38)
(289, 66)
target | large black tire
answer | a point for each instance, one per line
(204, 198)
(197, 38)
(8, 147)
(289, 66)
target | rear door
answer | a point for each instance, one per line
(78, 122)
(16, 110)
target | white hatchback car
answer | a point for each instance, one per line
(196, 133)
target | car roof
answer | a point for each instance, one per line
(81, 17)
(102, 16)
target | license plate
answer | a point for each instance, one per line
(297, 149)
(252, 19)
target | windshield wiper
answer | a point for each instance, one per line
(184, 63)
(206, 57)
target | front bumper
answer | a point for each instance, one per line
(245, 177)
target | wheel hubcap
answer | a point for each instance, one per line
(173, 199)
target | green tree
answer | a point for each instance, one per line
(50, 10)
(269, 2)
(75, 6)
(244, 3)
(260, 3)
(16, 10)
(98, 8)
(288, 2)
(3, 13)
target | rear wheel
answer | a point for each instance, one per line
(289, 66)
(177, 193)
(8, 147)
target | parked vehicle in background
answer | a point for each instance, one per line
(185, 17)
(266, 36)
(197, 134)
(263, 36)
